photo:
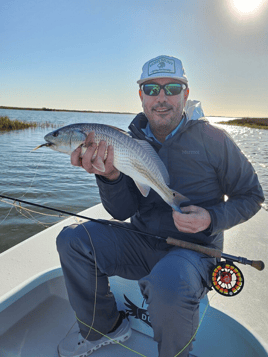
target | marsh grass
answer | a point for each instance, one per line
(7, 124)
(255, 123)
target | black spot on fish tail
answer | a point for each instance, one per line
(177, 200)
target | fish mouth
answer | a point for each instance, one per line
(46, 144)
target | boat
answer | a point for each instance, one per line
(35, 313)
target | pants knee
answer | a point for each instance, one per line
(63, 240)
(172, 280)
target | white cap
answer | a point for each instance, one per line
(163, 67)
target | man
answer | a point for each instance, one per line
(204, 164)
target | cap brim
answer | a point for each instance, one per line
(183, 80)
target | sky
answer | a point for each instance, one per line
(88, 54)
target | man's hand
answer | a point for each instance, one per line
(198, 219)
(97, 165)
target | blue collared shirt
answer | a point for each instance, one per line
(148, 132)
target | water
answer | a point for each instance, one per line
(46, 177)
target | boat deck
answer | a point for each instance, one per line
(33, 325)
(38, 332)
(40, 312)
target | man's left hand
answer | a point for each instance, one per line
(196, 220)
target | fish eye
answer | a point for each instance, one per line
(55, 134)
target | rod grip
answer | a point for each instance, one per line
(258, 264)
(216, 253)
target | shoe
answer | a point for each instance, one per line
(74, 345)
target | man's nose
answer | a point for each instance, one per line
(161, 96)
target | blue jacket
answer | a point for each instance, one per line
(204, 164)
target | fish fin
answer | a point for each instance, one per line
(177, 200)
(161, 166)
(144, 189)
(98, 164)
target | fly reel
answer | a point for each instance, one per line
(227, 279)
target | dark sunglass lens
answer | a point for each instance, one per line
(151, 89)
(173, 88)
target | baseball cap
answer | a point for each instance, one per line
(163, 66)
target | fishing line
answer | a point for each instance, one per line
(95, 303)
(200, 322)
(14, 205)
(103, 221)
(7, 213)
(119, 343)
(30, 217)
(19, 209)
(216, 253)
(95, 294)
(115, 226)
(32, 177)
(96, 279)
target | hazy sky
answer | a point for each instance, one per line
(88, 54)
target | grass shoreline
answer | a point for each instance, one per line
(64, 110)
(255, 123)
(7, 124)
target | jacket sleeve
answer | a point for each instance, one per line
(120, 198)
(238, 181)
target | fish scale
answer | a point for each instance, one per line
(134, 158)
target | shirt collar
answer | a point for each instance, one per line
(148, 132)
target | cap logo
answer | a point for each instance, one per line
(161, 65)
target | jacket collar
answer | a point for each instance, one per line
(136, 126)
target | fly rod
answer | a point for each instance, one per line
(216, 253)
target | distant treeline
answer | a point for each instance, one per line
(63, 110)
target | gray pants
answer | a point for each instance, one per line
(170, 278)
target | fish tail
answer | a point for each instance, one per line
(177, 200)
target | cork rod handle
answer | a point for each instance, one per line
(216, 253)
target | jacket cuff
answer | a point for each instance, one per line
(208, 231)
(104, 180)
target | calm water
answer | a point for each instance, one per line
(46, 177)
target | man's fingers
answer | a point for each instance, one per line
(110, 156)
(197, 219)
(90, 139)
(189, 209)
(95, 160)
(87, 157)
(98, 161)
(75, 157)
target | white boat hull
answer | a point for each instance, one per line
(35, 313)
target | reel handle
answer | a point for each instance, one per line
(258, 264)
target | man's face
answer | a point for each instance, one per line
(164, 112)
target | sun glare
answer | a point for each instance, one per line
(247, 6)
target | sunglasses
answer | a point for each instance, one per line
(153, 89)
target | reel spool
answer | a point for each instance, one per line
(227, 279)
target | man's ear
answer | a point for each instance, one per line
(141, 95)
(186, 95)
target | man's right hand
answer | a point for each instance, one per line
(98, 165)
